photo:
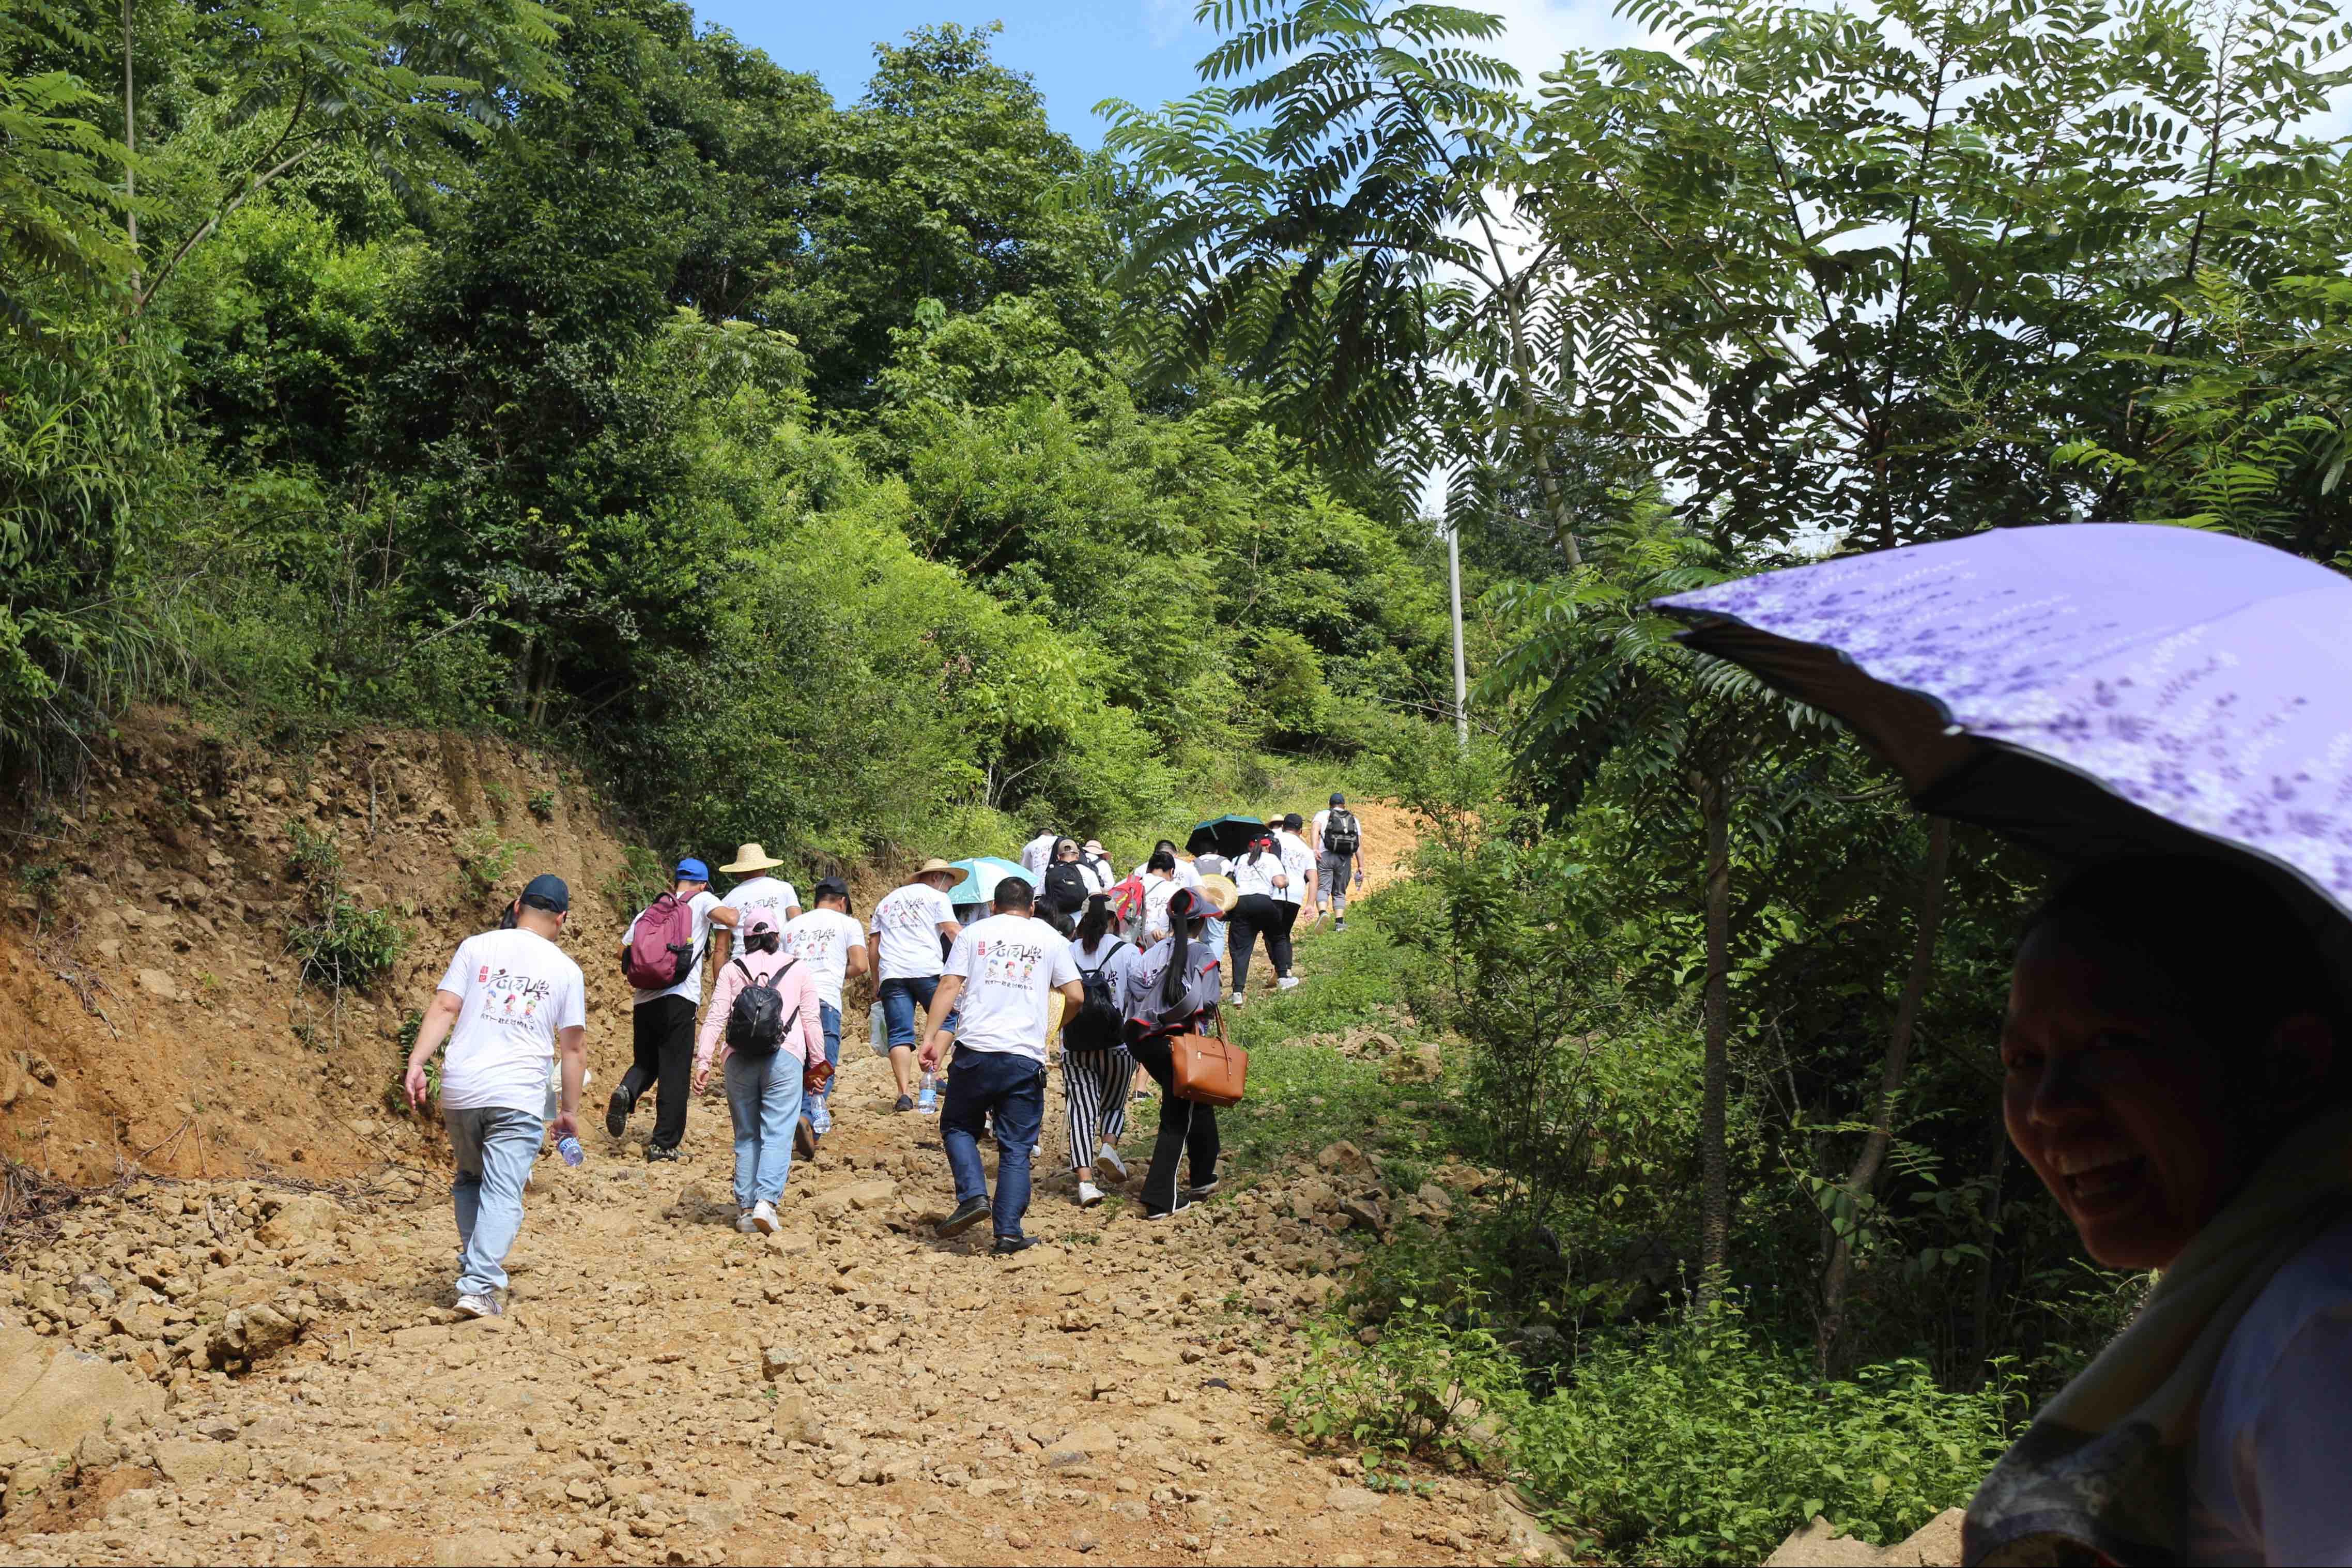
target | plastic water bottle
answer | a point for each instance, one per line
(928, 1101)
(568, 1147)
(878, 1030)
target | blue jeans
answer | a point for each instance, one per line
(496, 1148)
(763, 1095)
(812, 1110)
(1213, 938)
(904, 1003)
(1010, 1087)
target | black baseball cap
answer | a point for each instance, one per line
(833, 888)
(547, 892)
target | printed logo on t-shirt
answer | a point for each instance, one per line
(1007, 963)
(512, 998)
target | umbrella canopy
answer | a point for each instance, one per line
(2089, 689)
(981, 875)
(1226, 835)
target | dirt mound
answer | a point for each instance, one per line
(152, 1016)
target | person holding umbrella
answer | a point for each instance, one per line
(2168, 712)
(1260, 878)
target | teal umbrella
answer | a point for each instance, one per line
(981, 875)
(1227, 836)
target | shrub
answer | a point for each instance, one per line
(542, 805)
(1425, 1387)
(485, 860)
(643, 877)
(1700, 1442)
(349, 946)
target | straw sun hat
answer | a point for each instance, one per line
(749, 858)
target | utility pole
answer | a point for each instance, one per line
(1454, 571)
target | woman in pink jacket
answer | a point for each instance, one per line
(763, 1085)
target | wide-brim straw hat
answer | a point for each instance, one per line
(935, 866)
(1220, 892)
(750, 857)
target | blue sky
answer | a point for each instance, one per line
(1083, 51)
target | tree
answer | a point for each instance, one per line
(945, 181)
(414, 84)
(1901, 257)
(1606, 700)
(1347, 249)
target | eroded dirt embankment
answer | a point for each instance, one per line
(152, 1016)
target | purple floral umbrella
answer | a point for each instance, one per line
(2088, 689)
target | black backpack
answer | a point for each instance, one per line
(1097, 1026)
(1341, 833)
(756, 1025)
(1065, 887)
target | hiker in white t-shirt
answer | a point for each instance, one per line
(760, 893)
(1037, 854)
(1000, 981)
(1263, 876)
(663, 1017)
(1095, 867)
(829, 940)
(1299, 863)
(1337, 840)
(909, 927)
(508, 1002)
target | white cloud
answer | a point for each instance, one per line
(1166, 21)
(1539, 32)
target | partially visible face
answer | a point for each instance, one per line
(2119, 1109)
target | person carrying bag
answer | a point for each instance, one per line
(774, 1053)
(1169, 998)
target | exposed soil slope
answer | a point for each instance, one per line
(150, 1017)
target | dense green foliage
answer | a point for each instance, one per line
(602, 379)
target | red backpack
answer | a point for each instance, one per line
(661, 944)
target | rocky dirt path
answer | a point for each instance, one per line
(663, 1389)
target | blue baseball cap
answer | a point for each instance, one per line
(547, 892)
(691, 870)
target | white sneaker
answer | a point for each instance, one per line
(1285, 983)
(476, 1305)
(744, 1222)
(763, 1217)
(1089, 1195)
(1107, 1160)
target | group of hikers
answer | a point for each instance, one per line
(976, 994)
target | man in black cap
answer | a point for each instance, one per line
(1339, 844)
(508, 1001)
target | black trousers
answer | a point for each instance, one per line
(664, 1056)
(1187, 1131)
(1255, 916)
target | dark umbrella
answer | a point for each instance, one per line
(2089, 689)
(1227, 836)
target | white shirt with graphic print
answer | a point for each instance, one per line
(906, 926)
(1009, 965)
(821, 939)
(763, 895)
(517, 990)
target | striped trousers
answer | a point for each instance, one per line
(1094, 1086)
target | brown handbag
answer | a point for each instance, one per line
(1208, 1070)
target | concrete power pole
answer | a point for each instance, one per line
(1461, 685)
